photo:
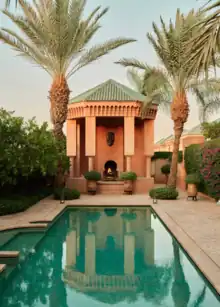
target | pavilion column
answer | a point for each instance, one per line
(71, 240)
(78, 150)
(91, 141)
(148, 239)
(71, 144)
(129, 250)
(128, 141)
(90, 254)
(148, 145)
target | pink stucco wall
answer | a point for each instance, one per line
(138, 161)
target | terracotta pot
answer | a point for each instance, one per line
(192, 190)
(128, 187)
(91, 186)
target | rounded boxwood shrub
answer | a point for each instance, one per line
(67, 194)
(132, 176)
(92, 176)
(164, 193)
(165, 169)
(193, 179)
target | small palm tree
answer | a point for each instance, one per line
(55, 35)
(175, 74)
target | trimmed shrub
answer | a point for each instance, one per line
(193, 179)
(92, 176)
(164, 193)
(128, 176)
(66, 194)
(165, 169)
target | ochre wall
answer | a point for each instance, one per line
(83, 158)
(105, 152)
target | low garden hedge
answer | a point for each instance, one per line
(67, 194)
(164, 193)
(17, 203)
(166, 155)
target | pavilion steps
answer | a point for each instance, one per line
(110, 187)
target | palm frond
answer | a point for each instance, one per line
(136, 79)
(132, 63)
(55, 34)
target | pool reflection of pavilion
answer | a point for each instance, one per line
(107, 255)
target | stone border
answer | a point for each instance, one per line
(204, 263)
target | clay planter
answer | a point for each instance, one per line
(192, 190)
(91, 187)
(128, 187)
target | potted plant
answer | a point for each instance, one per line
(92, 177)
(165, 169)
(192, 181)
(128, 178)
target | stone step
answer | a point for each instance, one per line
(110, 187)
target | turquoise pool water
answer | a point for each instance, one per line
(97, 257)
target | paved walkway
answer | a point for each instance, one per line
(196, 225)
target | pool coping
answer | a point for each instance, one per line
(205, 264)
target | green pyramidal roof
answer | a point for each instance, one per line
(109, 91)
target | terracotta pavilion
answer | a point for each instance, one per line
(108, 132)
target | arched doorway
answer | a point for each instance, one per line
(110, 170)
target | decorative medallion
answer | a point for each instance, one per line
(110, 138)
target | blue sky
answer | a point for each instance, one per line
(24, 87)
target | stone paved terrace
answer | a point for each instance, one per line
(196, 225)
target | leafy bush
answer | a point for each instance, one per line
(165, 169)
(92, 175)
(193, 179)
(210, 169)
(18, 203)
(211, 130)
(66, 194)
(193, 158)
(164, 193)
(128, 176)
(166, 155)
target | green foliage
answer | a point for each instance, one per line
(164, 193)
(92, 176)
(65, 193)
(17, 203)
(211, 131)
(166, 155)
(165, 169)
(193, 158)
(132, 176)
(27, 149)
(193, 179)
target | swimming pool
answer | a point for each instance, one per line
(95, 257)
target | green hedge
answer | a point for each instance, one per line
(164, 193)
(166, 155)
(18, 203)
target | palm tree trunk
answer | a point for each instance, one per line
(59, 99)
(179, 114)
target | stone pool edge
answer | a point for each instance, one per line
(205, 264)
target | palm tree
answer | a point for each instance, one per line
(172, 48)
(180, 288)
(55, 35)
(206, 44)
(207, 93)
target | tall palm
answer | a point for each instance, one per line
(171, 45)
(206, 44)
(55, 35)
